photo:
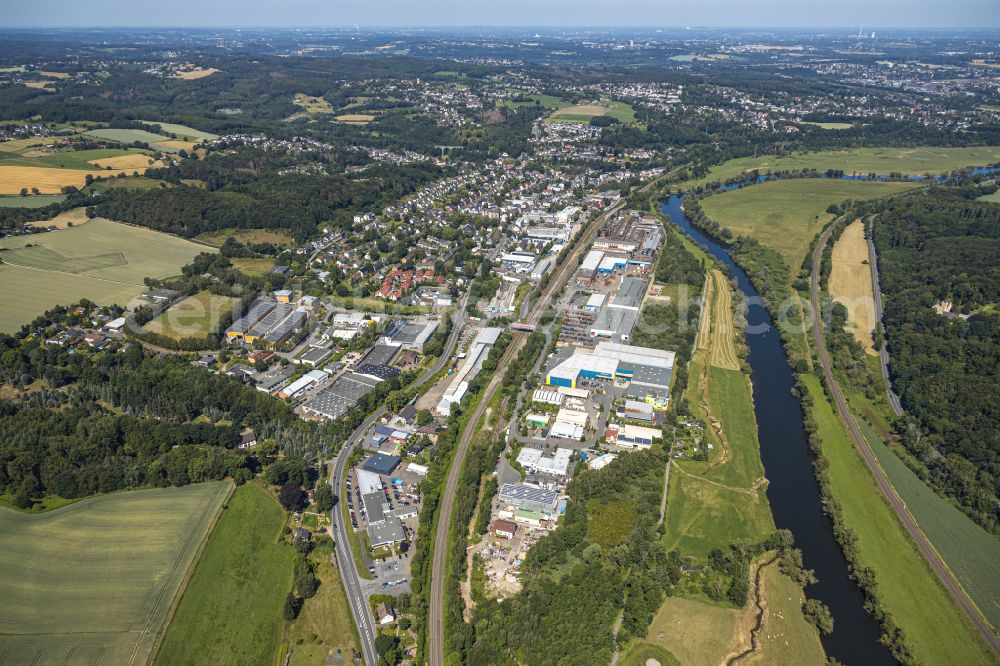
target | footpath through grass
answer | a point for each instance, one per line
(908, 589)
(231, 611)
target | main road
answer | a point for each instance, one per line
(541, 306)
(928, 552)
(356, 597)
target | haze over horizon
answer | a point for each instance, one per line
(515, 13)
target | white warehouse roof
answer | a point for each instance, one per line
(592, 260)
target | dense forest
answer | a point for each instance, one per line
(944, 246)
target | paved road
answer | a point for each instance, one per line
(357, 590)
(563, 273)
(905, 517)
(883, 352)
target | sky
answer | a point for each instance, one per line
(644, 13)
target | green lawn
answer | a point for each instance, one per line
(193, 317)
(231, 611)
(729, 395)
(101, 260)
(252, 267)
(993, 198)
(934, 627)
(126, 135)
(93, 581)
(37, 201)
(545, 101)
(910, 161)
(787, 214)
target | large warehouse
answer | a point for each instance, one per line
(647, 370)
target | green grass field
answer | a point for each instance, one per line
(231, 610)
(992, 198)
(972, 553)
(934, 627)
(325, 622)
(92, 582)
(126, 135)
(37, 201)
(193, 317)
(253, 267)
(829, 126)
(545, 101)
(715, 503)
(185, 132)
(246, 236)
(787, 637)
(80, 159)
(101, 260)
(639, 654)
(787, 214)
(136, 182)
(910, 161)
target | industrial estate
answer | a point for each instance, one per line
(499, 346)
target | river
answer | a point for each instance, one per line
(792, 488)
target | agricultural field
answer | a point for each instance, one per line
(193, 317)
(828, 126)
(325, 622)
(231, 610)
(908, 161)
(184, 132)
(47, 180)
(31, 167)
(71, 218)
(355, 118)
(582, 113)
(93, 581)
(130, 162)
(786, 214)
(246, 236)
(851, 283)
(544, 101)
(130, 136)
(310, 104)
(935, 629)
(972, 553)
(722, 346)
(101, 260)
(192, 73)
(36, 201)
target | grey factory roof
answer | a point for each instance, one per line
(282, 331)
(380, 371)
(629, 294)
(647, 374)
(380, 355)
(388, 531)
(617, 322)
(280, 311)
(254, 313)
(375, 506)
(522, 494)
(334, 401)
(315, 355)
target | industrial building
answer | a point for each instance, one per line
(409, 334)
(536, 462)
(647, 370)
(334, 401)
(467, 371)
(637, 437)
(304, 382)
(528, 497)
(267, 320)
(380, 463)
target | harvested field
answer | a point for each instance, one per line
(851, 283)
(48, 180)
(355, 118)
(55, 75)
(184, 132)
(92, 582)
(723, 344)
(133, 162)
(194, 74)
(174, 145)
(71, 218)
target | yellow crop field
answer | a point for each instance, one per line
(55, 75)
(195, 73)
(71, 218)
(48, 180)
(134, 161)
(175, 144)
(851, 283)
(355, 118)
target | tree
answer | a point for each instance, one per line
(292, 607)
(306, 583)
(424, 417)
(816, 612)
(388, 651)
(291, 496)
(323, 498)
